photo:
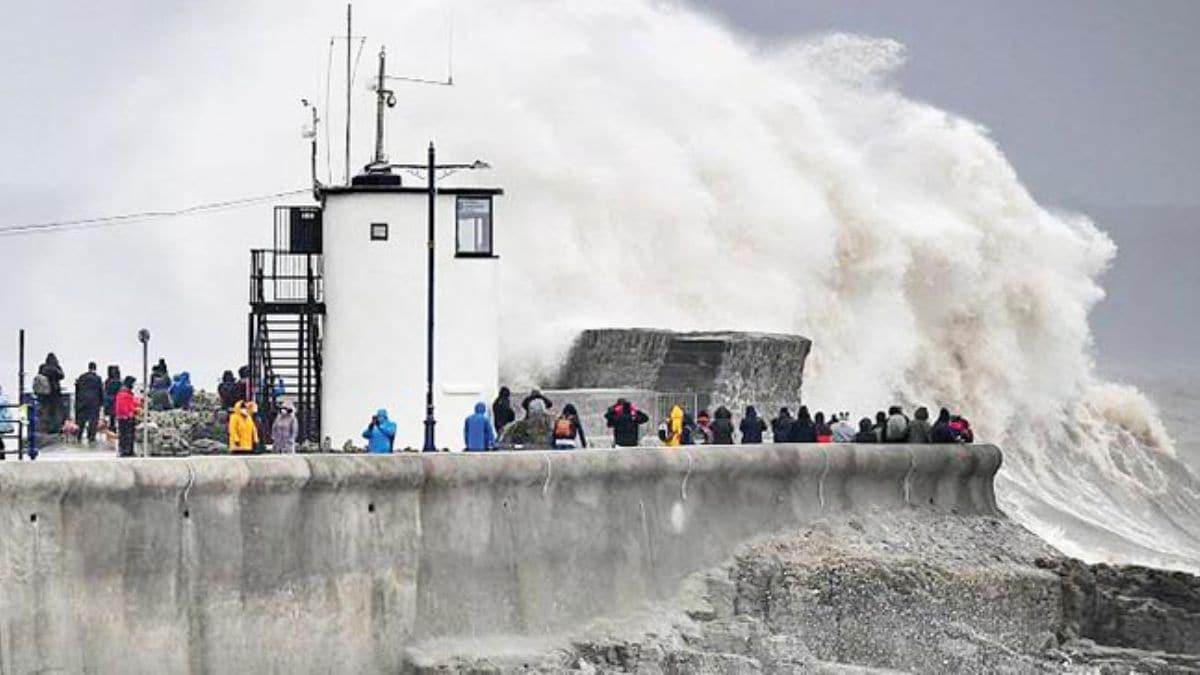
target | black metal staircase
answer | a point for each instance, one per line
(287, 310)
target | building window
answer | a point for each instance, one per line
(379, 231)
(474, 226)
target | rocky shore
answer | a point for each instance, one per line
(911, 592)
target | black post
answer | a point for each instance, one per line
(21, 397)
(430, 422)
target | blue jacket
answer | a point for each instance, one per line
(478, 432)
(380, 436)
(182, 391)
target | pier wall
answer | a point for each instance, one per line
(340, 563)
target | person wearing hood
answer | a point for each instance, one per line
(624, 419)
(47, 387)
(822, 429)
(479, 434)
(843, 432)
(380, 434)
(89, 398)
(803, 429)
(536, 395)
(228, 390)
(125, 408)
(674, 431)
(284, 430)
(6, 425)
(941, 433)
(112, 385)
(502, 410)
(880, 427)
(896, 428)
(243, 432)
(960, 428)
(781, 427)
(752, 427)
(919, 429)
(866, 432)
(722, 426)
(567, 433)
(182, 391)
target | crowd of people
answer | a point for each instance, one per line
(113, 403)
(680, 427)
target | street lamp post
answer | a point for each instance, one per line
(144, 338)
(431, 167)
(430, 421)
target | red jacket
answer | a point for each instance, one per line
(126, 405)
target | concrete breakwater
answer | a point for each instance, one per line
(340, 564)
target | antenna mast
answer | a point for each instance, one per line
(349, 37)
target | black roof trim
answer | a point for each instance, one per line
(407, 189)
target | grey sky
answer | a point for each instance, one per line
(1094, 101)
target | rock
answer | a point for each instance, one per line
(207, 446)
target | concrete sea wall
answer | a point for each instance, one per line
(340, 563)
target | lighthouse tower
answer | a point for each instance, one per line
(376, 270)
(384, 297)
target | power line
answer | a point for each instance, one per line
(128, 218)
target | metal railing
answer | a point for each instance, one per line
(15, 429)
(289, 278)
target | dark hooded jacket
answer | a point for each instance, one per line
(229, 390)
(53, 372)
(624, 419)
(89, 391)
(941, 432)
(781, 427)
(112, 385)
(502, 410)
(752, 427)
(866, 434)
(803, 429)
(722, 427)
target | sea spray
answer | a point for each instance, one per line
(663, 171)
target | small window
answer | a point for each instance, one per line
(475, 226)
(379, 232)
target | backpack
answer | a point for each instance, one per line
(41, 385)
(563, 428)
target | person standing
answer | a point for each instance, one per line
(567, 433)
(674, 431)
(479, 434)
(125, 409)
(822, 429)
(502, 410)
(182, 391)
(89, 398)
(752, 427)
(284, 431)
(722, 426)
(380, 434)
(896, 428)
(803, 429)
(941, 433)
(47, 387)
(919, 430)
(536, 395)
(624, 419)
(228, 390)
(843, 432)
(866, 433)
(243, 432)
(112, 385)
(781, 427)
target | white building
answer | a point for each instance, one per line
(375, 290)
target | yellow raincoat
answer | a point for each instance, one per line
(243, 433)
(675, 428)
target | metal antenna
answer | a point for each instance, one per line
(349, 38)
